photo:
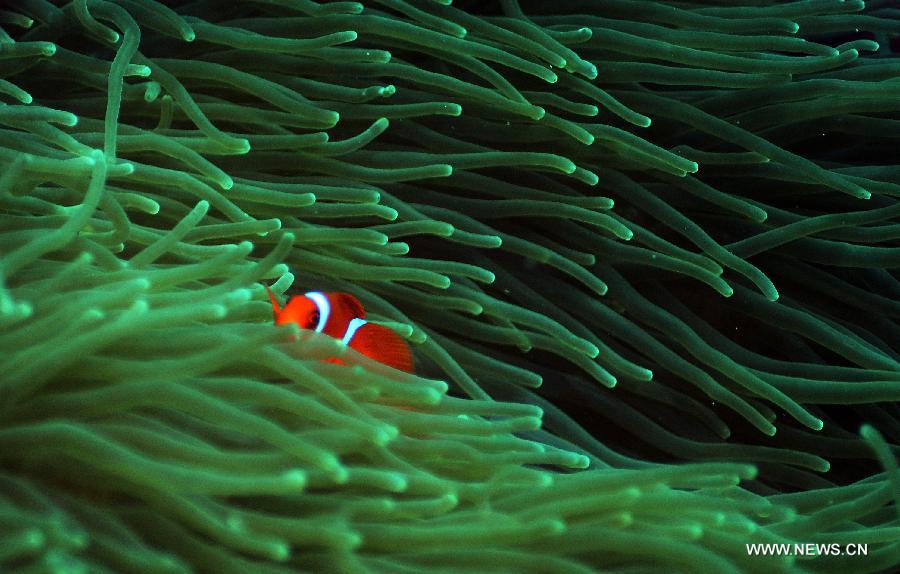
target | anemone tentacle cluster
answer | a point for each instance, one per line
(644, 252)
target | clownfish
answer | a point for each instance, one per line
(342, 316)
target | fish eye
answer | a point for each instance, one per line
(313, 320)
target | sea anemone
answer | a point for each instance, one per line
(643, 252)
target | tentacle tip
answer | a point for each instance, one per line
(432, 396)
(238, 296)
(296, 478)
(94, 314)
(556, 527)
(218, 311)
(139, 307)
(23, 310)
(580, 461)
(339, 474)
(749, 472)
(869, 432)
(280, 552)
(386, 434)
(531, 423)
(352, 540)
(34, 539)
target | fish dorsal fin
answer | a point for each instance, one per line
(348, 304)
(276, 309)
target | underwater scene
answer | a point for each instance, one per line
(449, 286)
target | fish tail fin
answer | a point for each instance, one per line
(384, 345)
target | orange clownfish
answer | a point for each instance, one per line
(341, 315)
